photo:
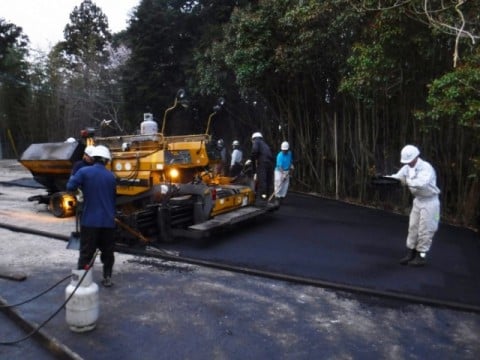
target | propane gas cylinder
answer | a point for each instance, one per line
(83, 307)
(148, 126)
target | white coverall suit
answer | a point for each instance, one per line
(425, 214)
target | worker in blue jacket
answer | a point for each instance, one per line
(98, 185)
(86, 160)
(283, 167)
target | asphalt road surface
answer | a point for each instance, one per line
(345, 246)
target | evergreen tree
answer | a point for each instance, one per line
(164, 36)
(158, 40)
(82, 70)
(14, 89)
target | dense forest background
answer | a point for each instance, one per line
(347, 82)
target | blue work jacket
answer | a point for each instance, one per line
(284, 161)
(98, 185)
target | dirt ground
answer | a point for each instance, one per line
(160, 309)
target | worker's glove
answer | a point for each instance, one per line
(408, 181)
(248, 162)
(79, 195)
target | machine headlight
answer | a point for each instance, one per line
(174, 174)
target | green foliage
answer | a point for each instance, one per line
(210, 64)
(169, 41)
(280, 41)
(456, 96)
(371, 72)
(12, 39)
(393, 54)
(13, 52)
(87, 34)
(14, 81)
(157, 37)
(313, 34)
(81, 74)
(249, 38)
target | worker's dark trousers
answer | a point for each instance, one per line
(235, 170)
(92, 238)
(265, 178)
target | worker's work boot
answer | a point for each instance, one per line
(107, 277)
(410, 256)
(107, 281)
(420, 259)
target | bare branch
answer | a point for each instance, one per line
(433, 13)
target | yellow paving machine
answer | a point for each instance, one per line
(167, 186)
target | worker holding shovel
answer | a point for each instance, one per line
(262, 161)
(283, 167)
(420, 178)
(98, 185)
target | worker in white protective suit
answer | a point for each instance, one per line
(420, 177)
(283, 167)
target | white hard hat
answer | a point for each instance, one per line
(257, 135)
(408, 154)
(235, 143)
(102, 151)
(284, 145)
(220, 142)
(70, 140)
(89, 150)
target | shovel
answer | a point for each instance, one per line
(279, 187)
(132, 231)
(74, 239)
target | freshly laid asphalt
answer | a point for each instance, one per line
(352, 247)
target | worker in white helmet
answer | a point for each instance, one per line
(98, 185)
(86, 160)
(263, 163)
(236, 159)
(221, 167)
(283, 168)
(420, 177)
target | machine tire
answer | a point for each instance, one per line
(57, 204)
